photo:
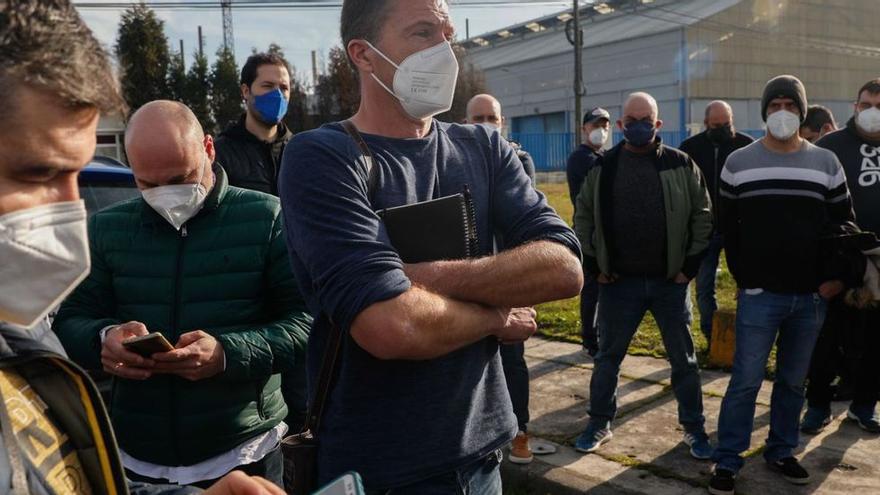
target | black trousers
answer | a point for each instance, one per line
(850, 340)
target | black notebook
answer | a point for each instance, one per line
(438, 229)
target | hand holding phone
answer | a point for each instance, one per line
(348, 484)
(147, 345)
(118, 360)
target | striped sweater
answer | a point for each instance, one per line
(775, 209)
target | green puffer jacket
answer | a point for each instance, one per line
(226, 272)
(687, 206)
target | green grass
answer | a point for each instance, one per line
(561, 319)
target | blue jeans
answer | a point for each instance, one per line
(516, 374)
(622, 305)
(482, 477)
(760, 318)
(705, 282)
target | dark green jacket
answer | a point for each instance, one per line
(227, 273)
(687, 206)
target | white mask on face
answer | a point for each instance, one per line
(869, 120)
(783, 124)
(425, 81)
(45, 253)
(177, 203)
(598, 136)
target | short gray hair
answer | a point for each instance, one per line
(362, 19)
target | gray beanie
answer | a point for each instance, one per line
(785, 87)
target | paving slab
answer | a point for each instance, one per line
(646, 454)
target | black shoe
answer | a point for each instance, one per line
(791, 470)
(722, 482)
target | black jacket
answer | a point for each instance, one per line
(861, 163)
(250, 163)
(580, 161)
(710, 158)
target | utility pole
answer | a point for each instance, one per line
(201, 43)
(182, 59)
(467, 28)
(314, 69)
(228, 37)
(578, 72)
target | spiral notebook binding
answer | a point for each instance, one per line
(472, 243)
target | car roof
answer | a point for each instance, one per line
(105, 169)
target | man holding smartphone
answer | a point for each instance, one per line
(204, 264)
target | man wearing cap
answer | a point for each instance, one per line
(710, 149)
(595, 130)
(779, 197)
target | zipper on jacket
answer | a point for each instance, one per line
(175, 323)
(717, 179)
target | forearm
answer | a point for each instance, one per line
(78, 334)
(530, 274)
(420, 325)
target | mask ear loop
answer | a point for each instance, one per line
(375, 78)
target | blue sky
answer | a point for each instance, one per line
(297, 31)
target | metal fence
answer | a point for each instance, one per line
(550, 150)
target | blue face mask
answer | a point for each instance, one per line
(271, 107)
(639, 133)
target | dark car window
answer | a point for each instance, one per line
(103, 194)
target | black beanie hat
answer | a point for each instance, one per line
(785, 87)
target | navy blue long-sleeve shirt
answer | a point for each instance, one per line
(394, 421)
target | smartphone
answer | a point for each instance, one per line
(348, 484)
(147, 345)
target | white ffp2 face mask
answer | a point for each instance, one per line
(45, 253)
(598, 137)
(869, 120)
(425, 81)
(177, 203)
(783, 124)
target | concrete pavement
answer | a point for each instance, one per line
(646, 455)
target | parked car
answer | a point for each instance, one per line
(105, 181)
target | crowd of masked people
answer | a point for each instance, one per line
(252, 253)
(795, 213)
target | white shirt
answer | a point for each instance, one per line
(248, 452)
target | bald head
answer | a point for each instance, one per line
(166, 145)
(484, 109)
(640, 105)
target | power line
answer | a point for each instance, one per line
(291, 4)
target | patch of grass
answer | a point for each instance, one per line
(560, 320)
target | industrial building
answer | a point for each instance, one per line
(684, 52)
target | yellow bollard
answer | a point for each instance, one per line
(723, 339)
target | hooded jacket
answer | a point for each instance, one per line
(249, 162)
(76, 409)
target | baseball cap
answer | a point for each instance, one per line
(595, 114)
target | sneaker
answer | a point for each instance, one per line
(699, 444)
(815, 420)
(520, 453)
(592, 438)
(791, 470)
(866, 418)
(722, 482)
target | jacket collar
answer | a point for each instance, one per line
(614, 153)
(212, 201)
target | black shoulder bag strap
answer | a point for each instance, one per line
(329, 362)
